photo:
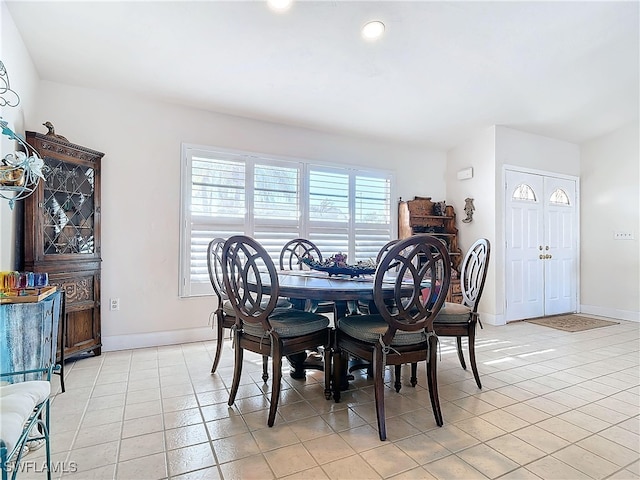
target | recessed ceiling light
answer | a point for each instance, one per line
(279, 5)
(373, 30)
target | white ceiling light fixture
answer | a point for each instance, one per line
(373, 30)
(279, 5)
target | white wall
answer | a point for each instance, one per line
(141, 194)
(610, 276)
(24, 80)
(528, 150)
(478, 153)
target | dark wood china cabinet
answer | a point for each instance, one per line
(62, 235)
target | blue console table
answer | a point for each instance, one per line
(29, 336)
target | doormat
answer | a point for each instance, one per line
(571, 323)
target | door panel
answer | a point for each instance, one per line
(561, 268)
(524, 235)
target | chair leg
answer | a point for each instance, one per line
(327, 372)
(3, 462)
(432, 381)
(378, 388)
(237, 369)
(219, 342)
(414, 374)
(472, 354)
(47, 444)
(460, 354)
(276, 381)
(398, 374)
(61, 373)
(265, 368)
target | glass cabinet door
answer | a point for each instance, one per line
(69, 208)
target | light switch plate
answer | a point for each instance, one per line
(465, 173)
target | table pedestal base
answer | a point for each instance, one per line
(301, 361)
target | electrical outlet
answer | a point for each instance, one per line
(114, 304)
(623, 236)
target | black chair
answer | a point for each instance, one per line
(251, 282)
(370, 307)
(402, 331)
(291, 257)
(459, 320)
(224, 316)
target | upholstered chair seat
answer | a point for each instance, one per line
(289, 323)
(369, 328)
(453, 313)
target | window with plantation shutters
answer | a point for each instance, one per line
(274, 200)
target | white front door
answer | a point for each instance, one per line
(541, 245)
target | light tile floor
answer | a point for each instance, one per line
(554, 405)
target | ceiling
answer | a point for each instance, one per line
(442, 70)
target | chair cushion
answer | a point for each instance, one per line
(227, 308)
(453, 313)
(17, 402)
(369, 328)
(290, 323)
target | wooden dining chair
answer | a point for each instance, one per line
(366, 307)
(251, 282)
(291, 257)
(401, 331)
(224, 316)
(459, 320)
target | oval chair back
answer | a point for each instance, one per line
(214, 266)
(474, 272)
(295, 250)
(291, 257)
(245, 267)
(420, 269)
(368, 306)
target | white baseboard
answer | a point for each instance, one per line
(611, 313)
(154, 339)
(495, 320)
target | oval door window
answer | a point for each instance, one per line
(524, 192)
(559, 197)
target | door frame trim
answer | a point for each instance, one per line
(503, 193)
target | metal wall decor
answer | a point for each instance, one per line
(21, 170)
(8, 96)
